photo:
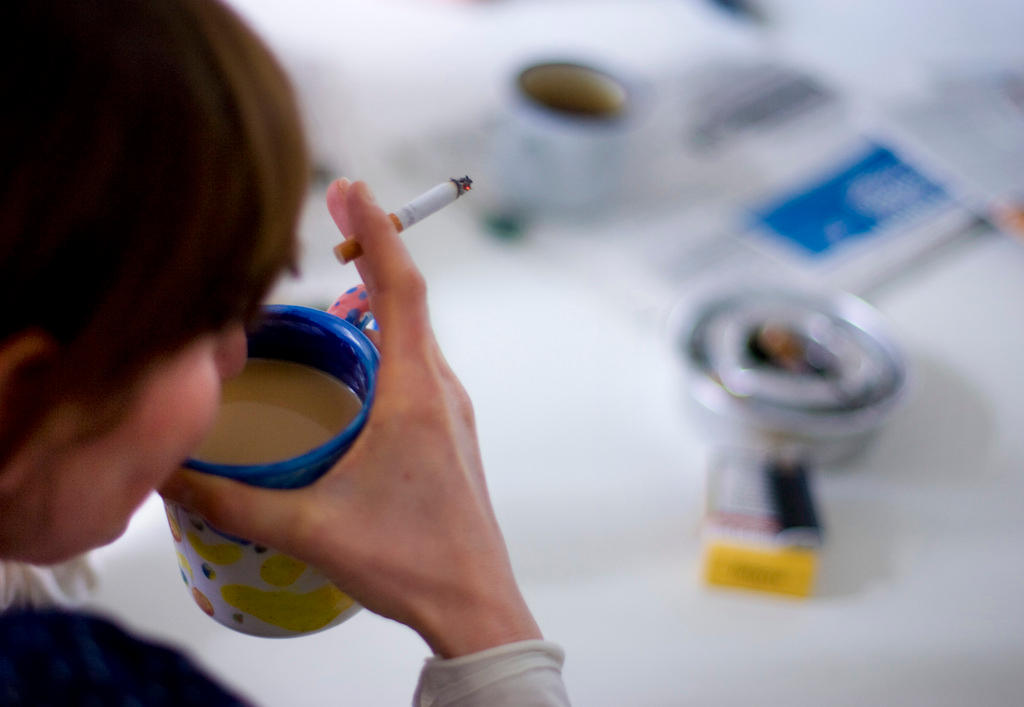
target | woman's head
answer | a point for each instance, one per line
(152, 171)
(152, 168)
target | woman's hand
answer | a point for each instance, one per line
(403, 523)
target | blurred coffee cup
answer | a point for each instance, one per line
(561, 145)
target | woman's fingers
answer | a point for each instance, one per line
(232, 507)
(395, 285)
(336, 205)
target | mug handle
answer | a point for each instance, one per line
(353, 305)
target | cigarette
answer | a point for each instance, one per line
(427, 203)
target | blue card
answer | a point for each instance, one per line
(861, 199)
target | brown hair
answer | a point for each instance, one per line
(151, 175)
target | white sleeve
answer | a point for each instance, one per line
(63, 584)
(523, 674)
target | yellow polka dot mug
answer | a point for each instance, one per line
(241, 584)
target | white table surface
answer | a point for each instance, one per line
(597, 476)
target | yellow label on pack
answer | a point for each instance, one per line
(783, 570)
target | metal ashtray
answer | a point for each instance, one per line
(776, 370)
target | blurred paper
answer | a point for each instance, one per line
(973, 127)
(859, 221)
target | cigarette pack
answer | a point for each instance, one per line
(761, 530)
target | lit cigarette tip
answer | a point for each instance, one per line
(463, 184)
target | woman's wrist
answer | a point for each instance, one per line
(458, 627)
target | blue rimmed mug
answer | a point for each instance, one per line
(243, 585)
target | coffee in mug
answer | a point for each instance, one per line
(275, 410)
(575, 90)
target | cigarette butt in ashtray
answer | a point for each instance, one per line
(427, 203)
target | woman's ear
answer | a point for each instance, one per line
(24, 358)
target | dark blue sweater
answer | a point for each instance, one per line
(61, 658)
